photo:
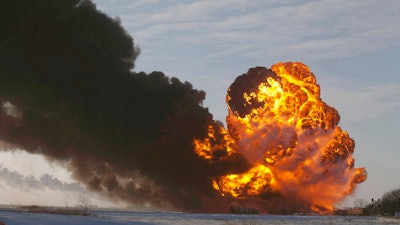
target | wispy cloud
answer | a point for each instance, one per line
(212, 34)
(364, 103)
(317, 29)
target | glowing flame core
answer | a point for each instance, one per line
(289, 136)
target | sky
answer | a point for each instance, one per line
(352, 48)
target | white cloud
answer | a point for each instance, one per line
(31, 179)
(363, 103)
(198, 39)
(32, 164)
(15, 179)
(317, 29)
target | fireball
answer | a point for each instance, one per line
(290, 137)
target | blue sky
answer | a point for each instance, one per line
(351, 46)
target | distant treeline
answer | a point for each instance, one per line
(54, 210)
(243, 210)
(388, 204)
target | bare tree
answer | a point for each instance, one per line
(390, 202)
(360, 203)
(85, 202)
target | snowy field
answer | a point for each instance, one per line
(132, 218)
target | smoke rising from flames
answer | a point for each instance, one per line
(290, 137)
(67, 91)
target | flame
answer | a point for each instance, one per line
(255, 181)
(219, 141)
(279, 124)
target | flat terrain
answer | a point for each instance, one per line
(158, 218)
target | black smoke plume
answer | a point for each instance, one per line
(67, 91)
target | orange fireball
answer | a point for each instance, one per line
(279, 124)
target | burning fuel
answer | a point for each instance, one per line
(290, 137)
(68, 92)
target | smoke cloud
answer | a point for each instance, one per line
(20, 181)
(67, 91)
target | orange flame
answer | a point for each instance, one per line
(279, 124)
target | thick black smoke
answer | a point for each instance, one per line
(67, 91)
(247, 83)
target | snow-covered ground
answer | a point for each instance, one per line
(135, 218)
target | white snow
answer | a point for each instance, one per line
(159, 218)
